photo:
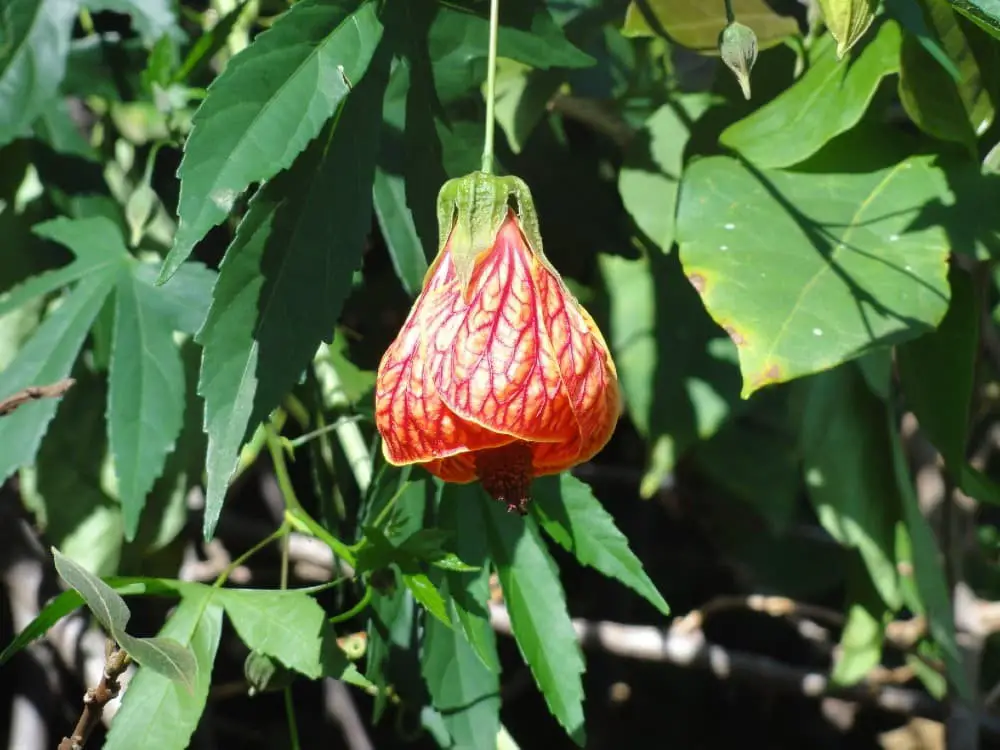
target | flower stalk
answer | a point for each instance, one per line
(491, 88)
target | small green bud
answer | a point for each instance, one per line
(848, 20)
(738, 47)
(265, 674)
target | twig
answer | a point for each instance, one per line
(692, 650)
(97, 698)
(33, 393)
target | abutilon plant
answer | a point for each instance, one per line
(498, 374)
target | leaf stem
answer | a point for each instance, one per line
(293, 729)
(356, 609)
(295, 514)
(279, 533)
(730, 16)
(491, 87)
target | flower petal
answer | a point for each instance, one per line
(587, 371)
(489, 357)
(415, 424)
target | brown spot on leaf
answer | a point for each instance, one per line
(771, 375)
(697, 281)
(735, 335)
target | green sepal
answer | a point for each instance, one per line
(471, 210)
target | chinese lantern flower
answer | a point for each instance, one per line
(498, 374)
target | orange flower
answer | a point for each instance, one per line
(498, 374)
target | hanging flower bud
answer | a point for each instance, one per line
(847, 20)
(738, 47)
(498, 374)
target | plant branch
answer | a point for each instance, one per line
(690, 649)
(33, 393)
(97, 698)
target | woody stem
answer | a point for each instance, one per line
(491, 88)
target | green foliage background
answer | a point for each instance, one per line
(215, 215)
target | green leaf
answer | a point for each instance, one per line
(953, 111)
(672, 405)
(62, 605)
(64, 488)
(183, 300)
(650, 176)
(522, 97)
(829, 99)
(538, 614)
(806, 270)
(208, 44)
(396, 223)
(159, 712)
(928, 569)
(459, 512)
(284, 279)
(288, 625)
(427, 595)
(458, 43)
(109, 608)
(145, 396)
(985, 13)
(864, 633)
(848, 472)
(164, 656)
(938, 372)
(567, 510)
(263, 110)
(96, 243)
(34, 43)
(46, 358)
(910, 15)
(150, 18)
(696, 24)
(463, 689)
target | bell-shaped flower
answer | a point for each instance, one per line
(498, 373)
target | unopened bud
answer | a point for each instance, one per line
(738, 47)
(264, 673)
(847, 20)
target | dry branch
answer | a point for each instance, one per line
(33, 393)
(96, 698)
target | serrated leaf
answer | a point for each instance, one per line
(159, 712)
(458, 511)
(650, 176)
(458, 43)
(96, 243)
(288, 625)
(184, 299)
(696, 24)
(64, 487)
(463, 689)
(427, 595)
(567, 510)
(47, 357)
(830, 98)
(284, 279)
(848, 472)
(145, 396)
(263, 110)
(109, 608)
(150, 18)
(538, 614)
(34, 43)
(806, 270)
(396, 223)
